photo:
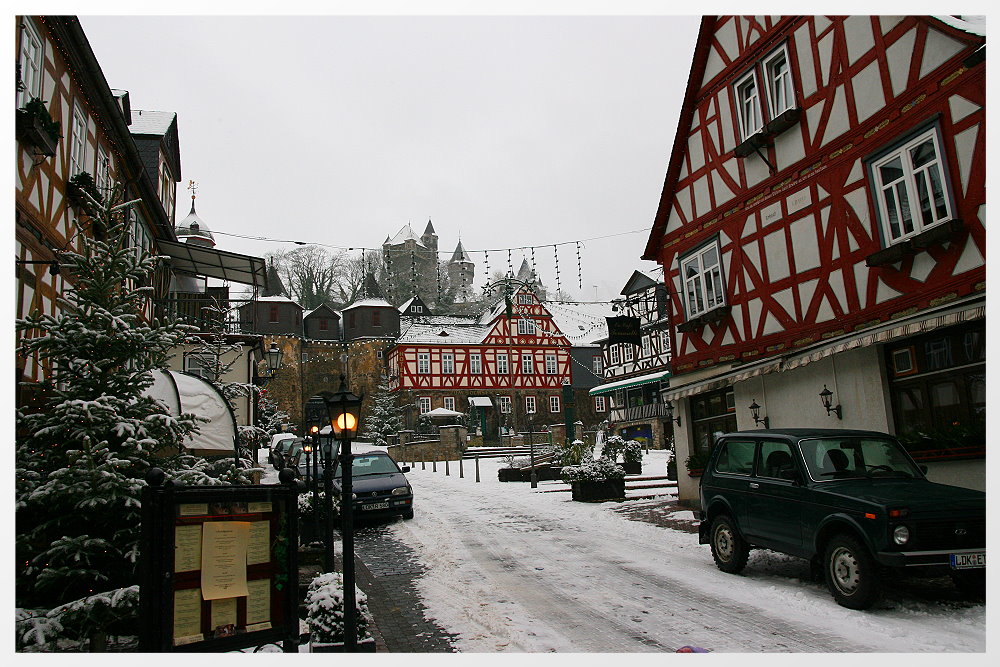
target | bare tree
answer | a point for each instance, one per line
(309, 273)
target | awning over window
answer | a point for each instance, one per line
(629, 382)
(203, 261)
(481, 401)
(902, 328)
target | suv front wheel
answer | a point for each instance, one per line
(850, 573)
(729, 549)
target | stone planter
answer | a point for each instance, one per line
(545, 473)
(672, 471)
(632, 467)
(364, 646)
(509, 475)
(595, 491)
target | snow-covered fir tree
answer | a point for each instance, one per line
(382, 420)
(84, 447)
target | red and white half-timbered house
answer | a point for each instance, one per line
(520, 364)
(822, 229)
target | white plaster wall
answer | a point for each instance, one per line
(967, 474)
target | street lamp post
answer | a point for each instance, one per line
(344, 408)
(313, 481)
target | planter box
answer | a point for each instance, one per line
(364, 646)
(672, 471)
(545, 473)
(632, 468)
(29, 130)
(509, 475)
(590, 491)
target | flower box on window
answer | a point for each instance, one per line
(712, 316)
(915, 244)
(35, 127)
(81, 185)
(765, 136)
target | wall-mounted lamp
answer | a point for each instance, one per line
(53, 264)
(273, 359)
(669, 407)
(755, 411)
(827, 397)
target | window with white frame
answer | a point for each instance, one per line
(551, 367)
(628, 352)
(447, 363)
(505, 404)
(701, 272)
(475, 363)
(424, 404)
(202, 365)
(502, 366)
(102, 173)
(524, 300)
(529, 404)
(417, 308)
(772, 74)
(525, 327)
(597, 364)
(645, 346)
(910, 188)
(615, 354)
(600, 405)
(527, 364)
(449, 402)
(31, 61)
(78, 142)
(423, 363)
(553, 404)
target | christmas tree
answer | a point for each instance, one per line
(83, 449)
(383, 419)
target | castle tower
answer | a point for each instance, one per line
(429, 238)
(461, 273)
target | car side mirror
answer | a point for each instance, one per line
(791, 475)
(405, 469)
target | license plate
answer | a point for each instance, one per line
(966, 561)
(376, 506)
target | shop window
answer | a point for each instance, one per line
(712, 414)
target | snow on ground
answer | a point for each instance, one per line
(510, 568)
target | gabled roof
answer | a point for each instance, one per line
(421, 331)
(369, 303)
(322, 307)
(702, 49)
(409, 302)
(276, 298)
(638, 282)
(405, 234)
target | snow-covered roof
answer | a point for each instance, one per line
(460, 254)
(974, 25)
(405, 234)
(406, 304)
(151, 122)
(278, 298)
(382, 303)
(444, 334)
(582, 323)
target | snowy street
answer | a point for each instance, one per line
(509, 568)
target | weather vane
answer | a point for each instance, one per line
(193, 187)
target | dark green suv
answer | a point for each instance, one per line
(852, 502)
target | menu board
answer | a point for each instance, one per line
(225, 570)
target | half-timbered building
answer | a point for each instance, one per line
(60, 82)
(822, 231)
(635, 374)
(518, 360)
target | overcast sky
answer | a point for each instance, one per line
(505, 130)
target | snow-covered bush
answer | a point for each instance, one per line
(72, 623)
(325, 610)
(632, 452)
(613, 447)
(598, 470)
(305, 504)
(515, 461)
(575, 453)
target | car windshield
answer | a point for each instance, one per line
(370, 465)
(842, 458)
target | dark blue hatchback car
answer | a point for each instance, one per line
(379, 485)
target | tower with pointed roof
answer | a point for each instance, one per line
(461, 274)
(526, 274)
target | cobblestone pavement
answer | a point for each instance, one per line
(387, 571)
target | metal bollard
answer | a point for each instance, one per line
(461, 471)
(423, 464)
(434, 464)
(477, 467)
(447, 470)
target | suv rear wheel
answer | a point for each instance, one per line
(850, 573)
(729, 549)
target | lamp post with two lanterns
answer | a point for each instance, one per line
(344, 408)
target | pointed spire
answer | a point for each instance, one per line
(430, 227)
(370, 288)
(460, 255)
(274, 286)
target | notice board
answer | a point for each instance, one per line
(219, 566)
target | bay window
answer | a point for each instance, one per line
(701, 272)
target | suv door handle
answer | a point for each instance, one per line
(754, 485)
